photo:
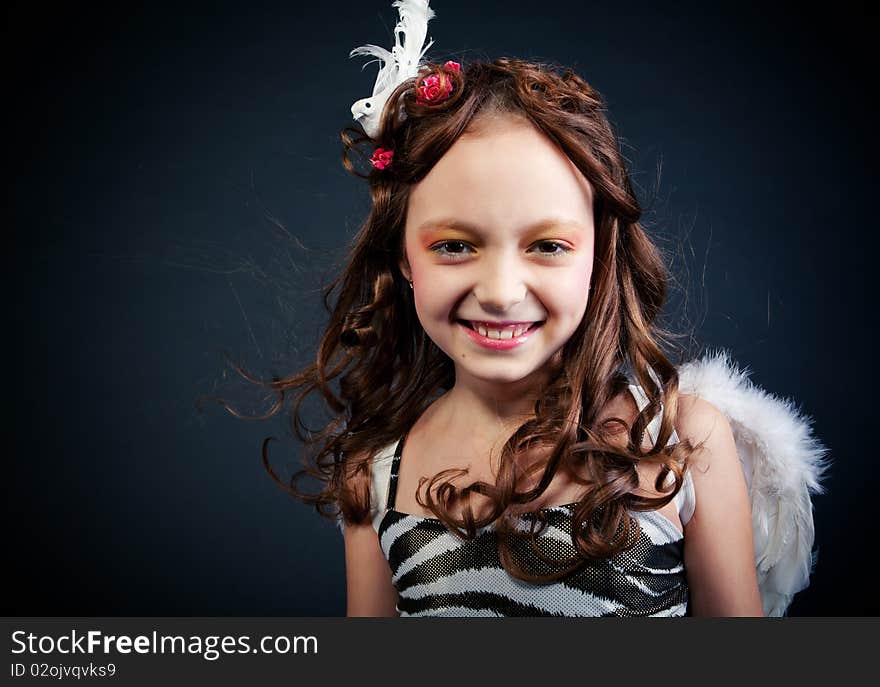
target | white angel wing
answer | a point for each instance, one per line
(397, 65)
(783, 463)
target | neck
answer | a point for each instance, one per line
(501, 403)
(492, 410)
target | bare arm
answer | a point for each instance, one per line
(719, 554)
(368, 577)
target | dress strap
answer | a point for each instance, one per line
(380, 467)
(685, 499)
(395, 469)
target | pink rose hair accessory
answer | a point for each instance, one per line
(382, 158)
(437, 87)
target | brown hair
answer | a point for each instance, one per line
(388, 370)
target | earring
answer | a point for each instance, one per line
(410, 283)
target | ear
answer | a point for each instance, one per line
(403, 264)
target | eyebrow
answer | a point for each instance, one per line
(540, 225)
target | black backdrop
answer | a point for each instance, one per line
(167, 162)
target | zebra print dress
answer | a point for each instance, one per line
(436, 573)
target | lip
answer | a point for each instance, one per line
(499, 344)
(492, 324)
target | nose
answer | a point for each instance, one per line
(501, 285)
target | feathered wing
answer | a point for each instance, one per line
(386, 67)
(413, 28)
(397, 65)
(783, 464)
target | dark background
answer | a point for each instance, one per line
(175, 192)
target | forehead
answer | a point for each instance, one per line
(504, 174)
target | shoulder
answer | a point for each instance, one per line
(709, 430)
(716, 471)
(697, 418)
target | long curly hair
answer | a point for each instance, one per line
(377, 370)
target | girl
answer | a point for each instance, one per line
(510, 437)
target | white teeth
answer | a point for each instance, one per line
(501, 334)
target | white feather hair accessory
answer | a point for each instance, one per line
(398, 65)
(783, 463)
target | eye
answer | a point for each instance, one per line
(453, 249)
(552, 248)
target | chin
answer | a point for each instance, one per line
(496, 373)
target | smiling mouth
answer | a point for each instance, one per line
(500, 332)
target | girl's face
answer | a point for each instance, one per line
(499, 243)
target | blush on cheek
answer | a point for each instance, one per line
(573, 285)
